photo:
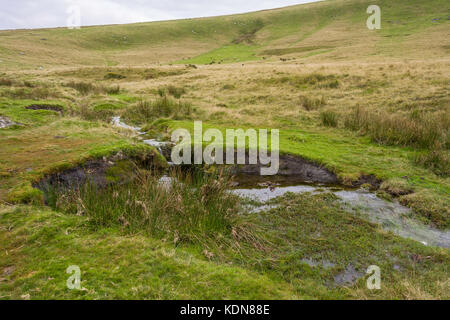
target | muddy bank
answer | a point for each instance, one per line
(50, 107)
(101, 173)
(300, 169)
(290, 168)
(94, 171)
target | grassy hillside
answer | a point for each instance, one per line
(331, 30)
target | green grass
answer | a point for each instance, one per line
(16, 111)
(436, 160)
(260, 260)
(113, 265)
(29, 93)
(226, 54)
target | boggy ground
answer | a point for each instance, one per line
(359, 110)
(150, 240)
(275, 258)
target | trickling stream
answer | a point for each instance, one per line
(151, 142)
(118, 123)
(390, 216)
(6, 122)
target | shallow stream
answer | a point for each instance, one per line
(391, 216)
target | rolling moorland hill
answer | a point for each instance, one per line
(332, 30)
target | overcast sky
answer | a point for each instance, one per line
(18, 14)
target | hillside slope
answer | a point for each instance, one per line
(334, 29)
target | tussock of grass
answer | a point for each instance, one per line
(146, 111)
(429, 208)
(25, 193)
(114, 76)
(329, 118)
(396, 187)
(176, 92)
(317, 80)
(172, 90)
(112, 90)
(82, 87)
(312, 103)
(29, 84)
(228, 87)
(6, 82)
(85, 88)
(187, 207)
(436, 160)
(86, 112)
(155, 73)
(423, 130)
(37, 93)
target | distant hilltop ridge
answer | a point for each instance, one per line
(333, 30)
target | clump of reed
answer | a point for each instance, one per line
(329, 118)
(86, 112)
(187, 206)
(418, 129)
(426, 132)
(310, 104)
(145, 111)
(85, 88)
